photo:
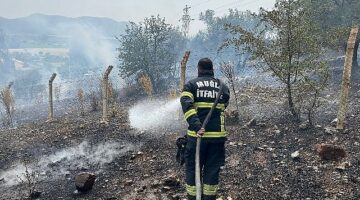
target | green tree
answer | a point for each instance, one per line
(152, 48)
(207, 42)
(335, 19)
(284, 44)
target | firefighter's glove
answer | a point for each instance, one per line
(181, 145)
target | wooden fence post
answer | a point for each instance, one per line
(183, 69)
(51, 106)
(105, 84)
(346, 79)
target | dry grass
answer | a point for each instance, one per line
(146, 84)
(7, 101)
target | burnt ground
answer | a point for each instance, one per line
(258, 163)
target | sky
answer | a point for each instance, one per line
(128, 10)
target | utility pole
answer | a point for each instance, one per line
(186, 19)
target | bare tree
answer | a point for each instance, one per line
(227, 69)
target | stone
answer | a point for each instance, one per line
(330, 152)
(295, 155)
(342, 166)
(128, 182)
(334, 122)
(171, 181)
(251, 123)
(84, 181)
(166, 188)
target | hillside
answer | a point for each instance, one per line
(39, 30)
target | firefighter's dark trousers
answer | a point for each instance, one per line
(212, 157)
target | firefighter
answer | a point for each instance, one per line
(197, 98)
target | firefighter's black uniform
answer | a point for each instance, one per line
(197, 99)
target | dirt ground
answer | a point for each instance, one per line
(141, 164)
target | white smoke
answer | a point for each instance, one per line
(83, 156)
(155, 114)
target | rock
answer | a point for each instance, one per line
(166, 188)
(330, 130)
(251, 123)
(277, 131)
(295, 155)
(334, 122)
(330, 152)
(84, 181)
(171, 181)
(128, 182)
(342, 166)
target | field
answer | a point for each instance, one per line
(134, 164)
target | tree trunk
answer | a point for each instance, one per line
(290, 100)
